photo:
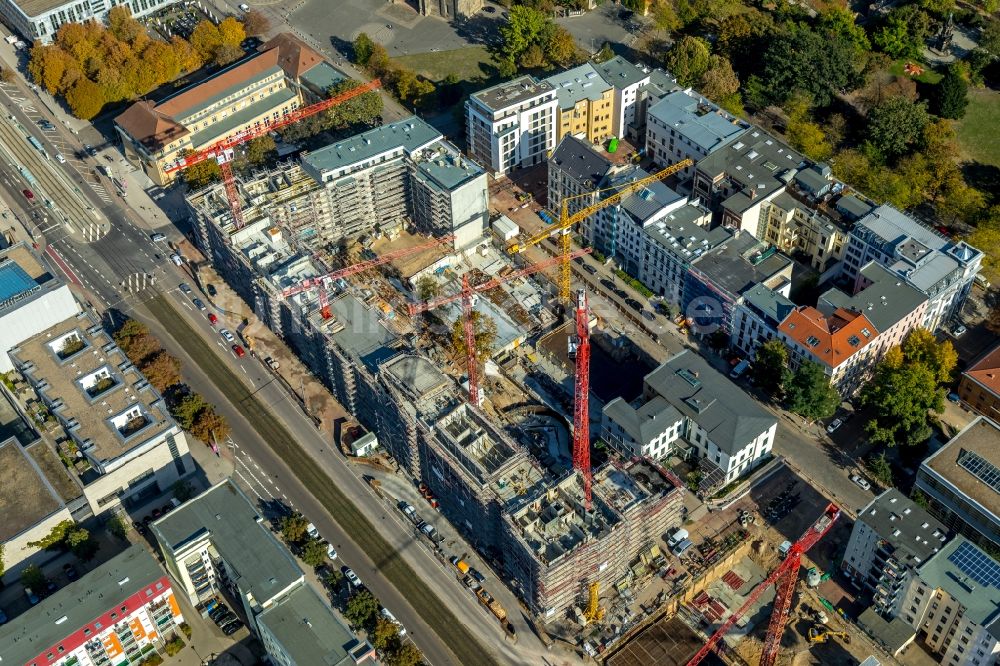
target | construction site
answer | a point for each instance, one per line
(424, 325)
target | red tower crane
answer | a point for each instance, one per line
(354, 269)
(466, 294)
(785, 575)
(580, 346)
(222, 151)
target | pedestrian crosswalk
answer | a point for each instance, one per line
(94, 231)
(101, 191)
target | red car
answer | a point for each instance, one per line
(212, 319)
(28, 194)
(238, 351)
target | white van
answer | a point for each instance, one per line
(678, 535)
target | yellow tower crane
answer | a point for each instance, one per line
(594, 612)
(566, 221)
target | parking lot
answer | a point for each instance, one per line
(179, 19)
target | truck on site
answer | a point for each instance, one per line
(486, 599)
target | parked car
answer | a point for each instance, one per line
(32, 597)
(590, 269)
(157, 237)
(212, 319)
(953, 397)
(3, 617)
(217, 612)
(392, 618)
(210, 288)
(351, 577)
(861, 483)
(226, 335)
(331, 552)
(232, 627)
(28, 194)
(183, 286)
(177, 259)
(634, 304)
(60, 158)
(959, 330)
(475, 573)
(312, 531)
(70, 571)
(238, 350)
(90, 150)
(834, 424)
(198, 303)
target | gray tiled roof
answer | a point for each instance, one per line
(716, 404)
(728, 267)
(649, 200)
(644, 423)
(893, 634)
(886, 301)
(757, 161)
(620, 73)
(696, 118)
(580, 161)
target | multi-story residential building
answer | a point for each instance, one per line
(892, 537)
(794, 227)
(626, 79)
(715, 283)
(253, 92)
(554, 545)
(113, 614)
(979, 387)
(31, 299)
(575, 169)
(512, 125)
(402, 173)
(685, 125)
(586, 104)
(125, 446)
(840, 343)
(39, 21)
(961, 481)
(217, 542)
(689, 408)
(941, 268)
(739, 177)
(952, 603)
(757, 316)
(661, 83)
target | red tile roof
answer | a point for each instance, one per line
(294, 55)
(830, 340)
(149, 126)
(986, 370)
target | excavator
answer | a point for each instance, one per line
(822, 635)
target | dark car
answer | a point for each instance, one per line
(210, 288)
(232, 628)
(608, 284)
(218, 612)
(223, 619)
(198, 303)
(183, 286)
(90, 150)
(620, 293)
(478, 576)
(590, 269)
(70, 571)
(490, 10)
(634, 304)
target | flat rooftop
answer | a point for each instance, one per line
(26, 496)
(741, 263)
(912, 532)
(410, 265)
(700, 121)
(556, 522)
(445, 166)
(971, 463)
(408, 135)
(80, 603)
(358, 330)
(577, 84)
(308, 631)
(104, 403)
(512, 92)
(885, 301)
(418, 375)
(971, 577)
(54, 470)
(258, 563)
(21, 276)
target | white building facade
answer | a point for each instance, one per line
(512, 125)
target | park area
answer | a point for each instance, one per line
(471, 65)
(977, 131)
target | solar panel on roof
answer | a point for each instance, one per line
(976, 564)
(981, 468)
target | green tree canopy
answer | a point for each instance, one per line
(363, 48)
(770, 367)
(485, 330)
(313, 552)
(896, 127)
(385, 634)
(361, 609)
(881, 469)
(808, 393)
(951, 96)
(293, 528)
(798, 58)
(920, 346)
(688, 60)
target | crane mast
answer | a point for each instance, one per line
(581, 394)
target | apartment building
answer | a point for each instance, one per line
(979, 386)
(942, 269)
(555, 546)
(575, 170)
(891, 538)
(113, 614)
(31, 299)
(253, 92)
(586, 104)
(39, 20)
(840, 343)
(512, 125)
(952, 603)
(738, 178)
(961, 481)
(688, 408)
(627, 79)
(125, 446)
(684, 125)
(377, 182)
(756, 318)
(795, 227)
(661, 83)
(717, 281)
(218, 542)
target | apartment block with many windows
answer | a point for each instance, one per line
(512, 125)
(586, 104)
(39, 20)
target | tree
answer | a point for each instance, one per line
(688, 60)
(664, 15)
(231, 32)
(182, 490)
(951, 95)
(210, 426)
(362, 110)
(770, 367)
(385, 634)
(904, 32)
(123, 25)
(427, 288)
(3, 567)
(719, 82)
(205, 39)
(85, 99)
(895, 127)
(129, 329)
(361, 608)
(226, 53)
(989, 38)
(363, 48)
(188, 58)
(313, 552)
(162, 370)
(902, 392)
(839, 22)
(800, 59)
(525, 27)
(202, 174)
(293, 528)
(987, 237)
(406, 654)
(186, 409)
(920, 346)
(54, 539)
(485, 330)
(920, 499)
(880, 469)
(808, 393)
(378, 61)
(255, 23)
(32, 577)
(118, 527)
(261, 149)
(80, 543)
(560, 47)
(333, 578)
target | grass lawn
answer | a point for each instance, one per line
(977, 131)
(929, 75)
(469, 64)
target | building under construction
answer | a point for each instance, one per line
(555, 547)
